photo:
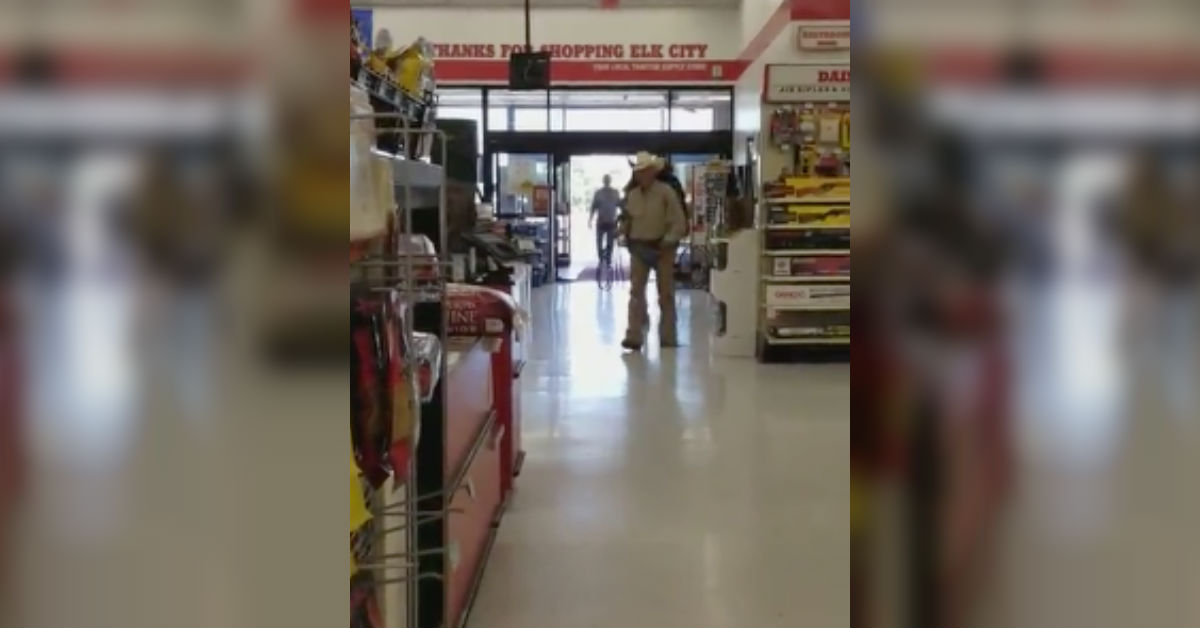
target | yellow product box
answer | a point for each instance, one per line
(823, 215)
(819, 189)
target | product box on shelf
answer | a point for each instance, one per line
(814, 189)
(800, 239)
(816, 266)
(823, 215)
(800, 296)
(809, 331)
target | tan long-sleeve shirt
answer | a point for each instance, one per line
(655, 214)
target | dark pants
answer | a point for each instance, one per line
(606, 235)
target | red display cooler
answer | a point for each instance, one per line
(472, 461)
(506, 386)
(507, 364)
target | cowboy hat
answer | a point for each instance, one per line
(646, 160)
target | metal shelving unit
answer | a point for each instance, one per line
(790, 304)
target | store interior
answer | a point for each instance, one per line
(534, 464)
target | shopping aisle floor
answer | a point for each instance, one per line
(670, 488)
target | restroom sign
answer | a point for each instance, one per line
(792, 83)
(823, 38)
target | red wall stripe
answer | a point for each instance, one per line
(820, 9)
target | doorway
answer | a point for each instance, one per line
(567, 246)
(587, 174)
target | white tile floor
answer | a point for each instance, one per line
(670, 488)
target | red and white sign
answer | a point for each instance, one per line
(823, 38)
(814, 82)
(451, 71)
(454, 50)
(588, 63)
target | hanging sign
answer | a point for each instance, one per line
(823, 38)
(365, 20)
(816, 82)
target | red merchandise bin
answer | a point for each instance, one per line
(507, 364)
(506, 388)
(471, 460)
(485, 313)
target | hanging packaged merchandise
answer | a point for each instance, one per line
(479, 311)
(423, 253)
(783, 123)
(428, 352)
(829, 163)
(829, 130)
(364, 605)
(806, 126)
(370, 425)
(368, 212)
(845, 139)
(359, 515)
(413, 68)
(377, 59)
(400, 396)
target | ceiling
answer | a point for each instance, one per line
(546, 3)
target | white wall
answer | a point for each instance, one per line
(755, 14)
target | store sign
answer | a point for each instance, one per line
(588, 63)
(826, 82)
(451, 50)
(823, 38)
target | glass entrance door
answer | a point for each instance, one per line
(524, 200)
(562, 217)
(517, 177)
(686, 165)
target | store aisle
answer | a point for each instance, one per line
(670, 488)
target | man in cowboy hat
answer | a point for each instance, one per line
(654, 223)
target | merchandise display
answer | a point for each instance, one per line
(709, 187)
(396, 371)
(399, 82)
(434, 429)
(804, 215)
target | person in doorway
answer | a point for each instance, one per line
(652, 226)
(603, 217)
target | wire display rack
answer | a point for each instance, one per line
(391, 559)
